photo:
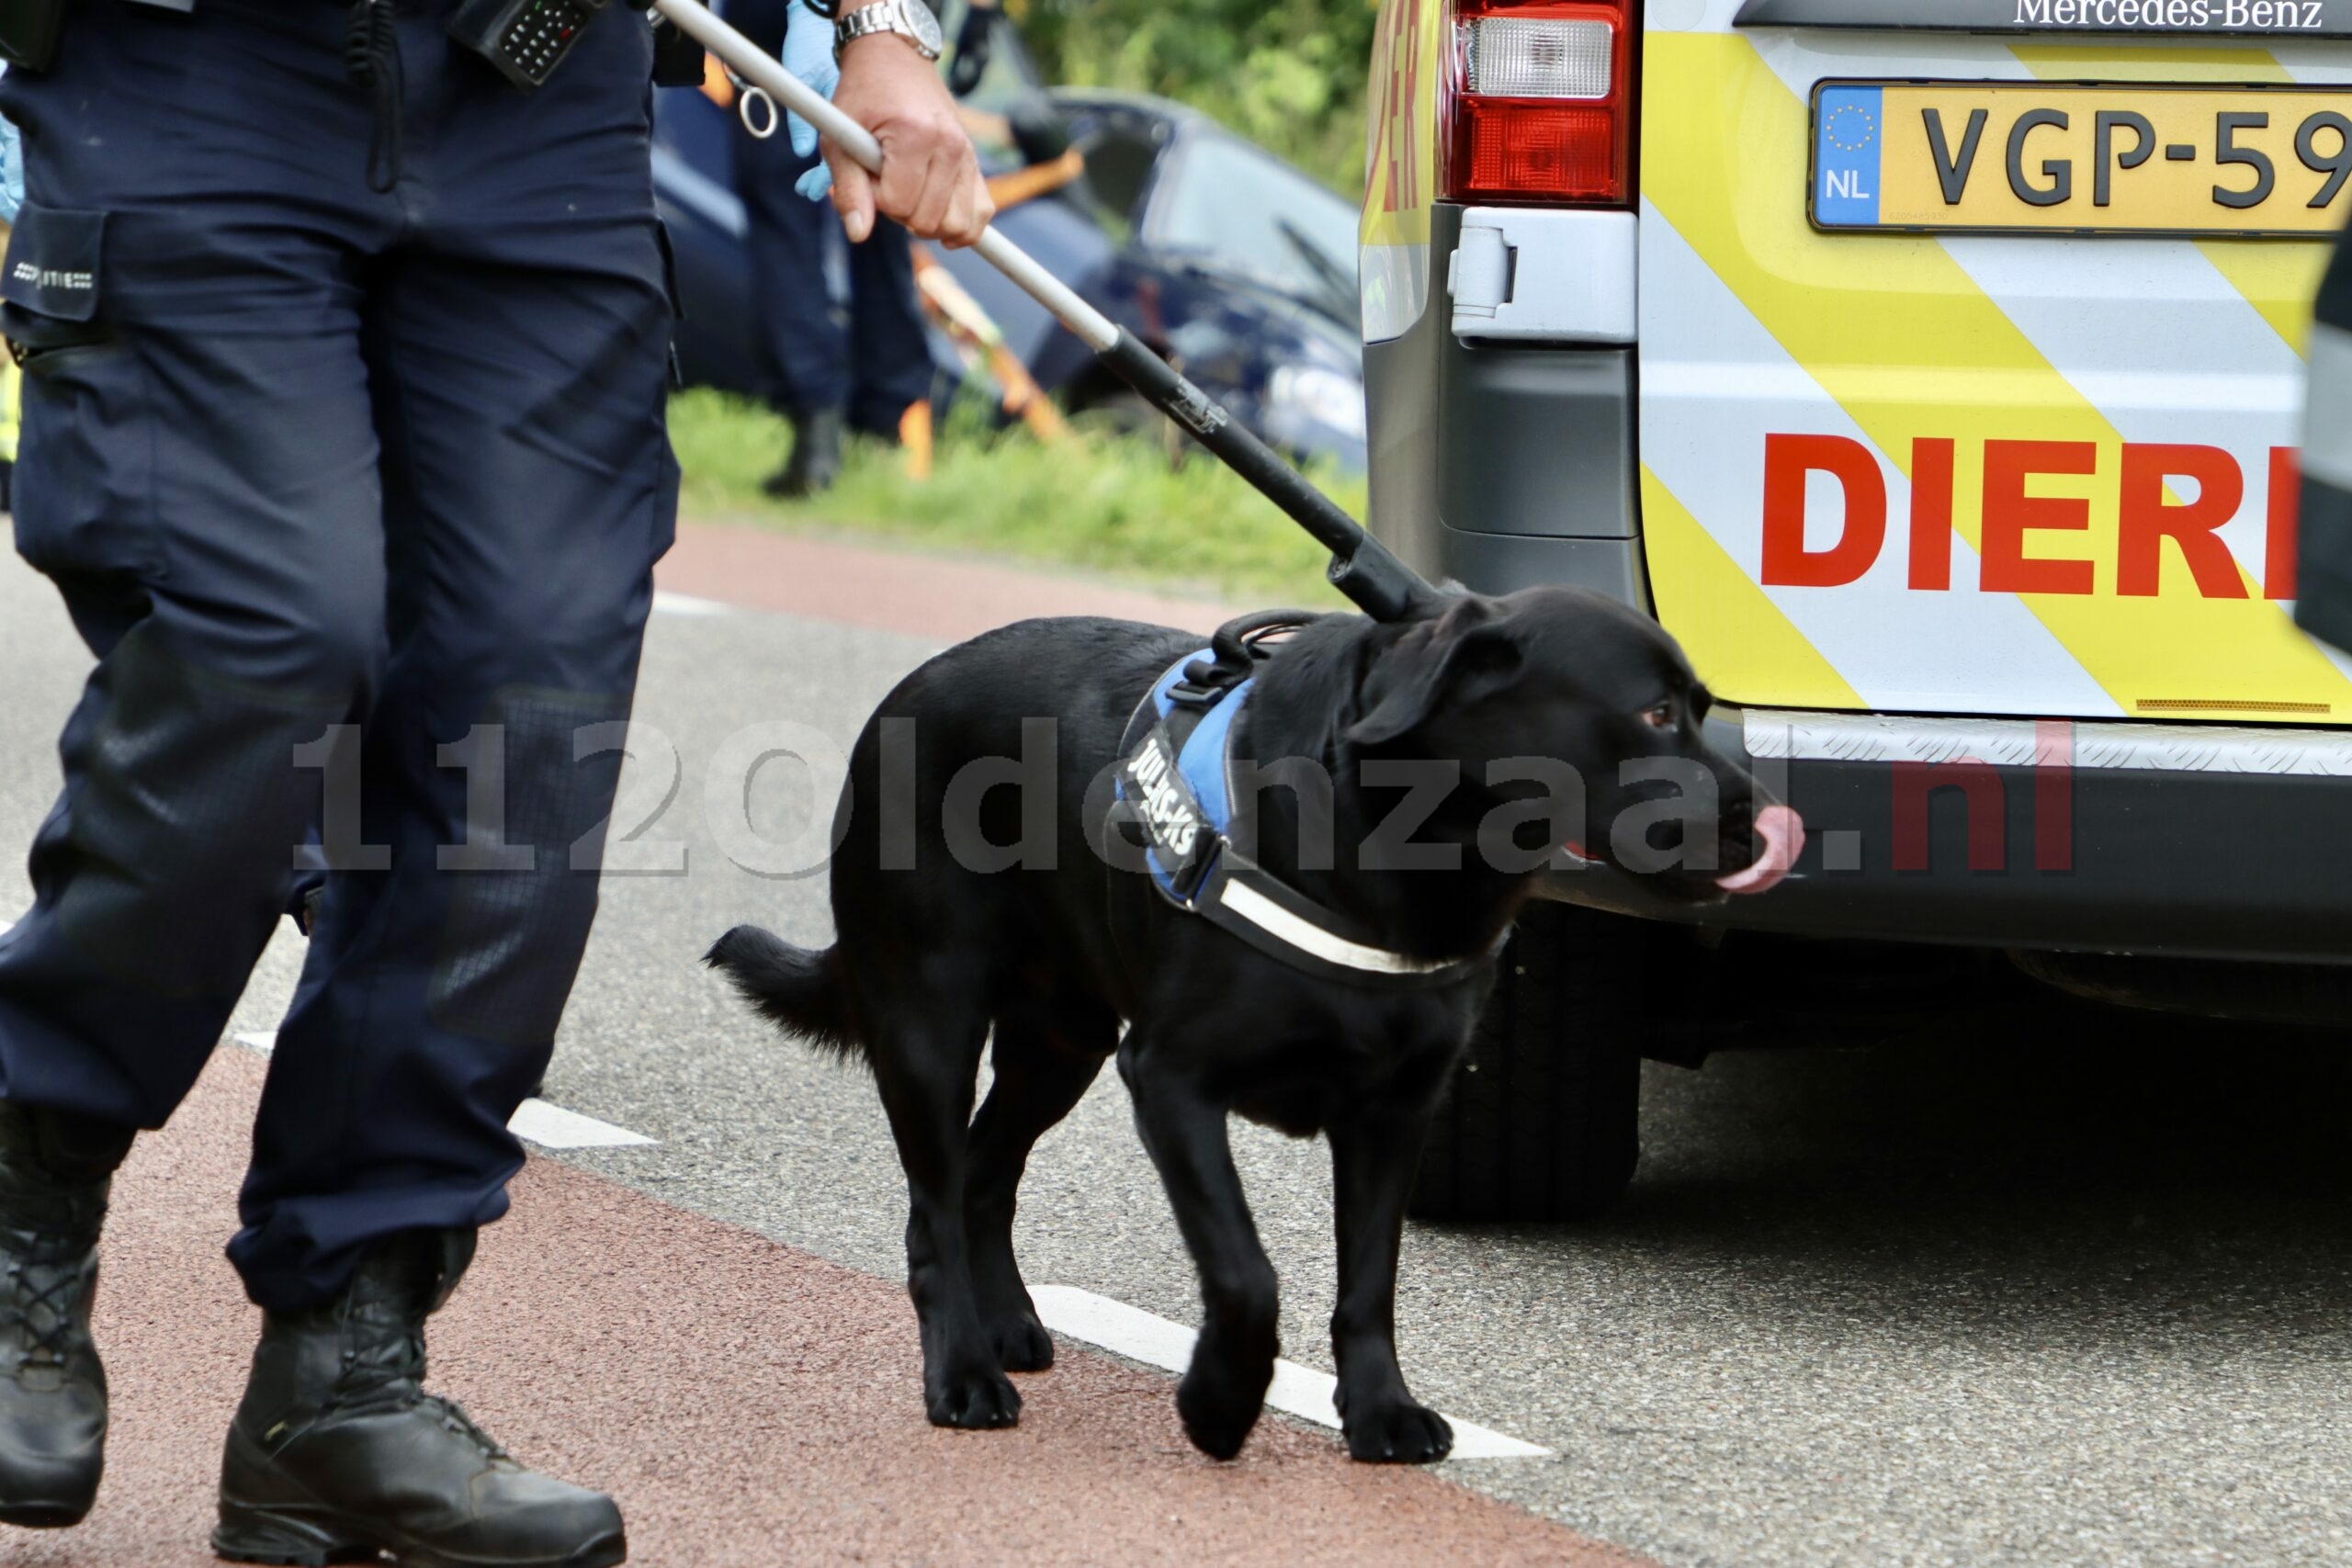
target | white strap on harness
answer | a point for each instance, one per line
(1308, 937)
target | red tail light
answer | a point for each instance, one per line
(1538, 101)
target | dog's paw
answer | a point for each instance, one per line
(975, 1400)
(1217, 1410)
(1022, 1343)
(1398, 1433)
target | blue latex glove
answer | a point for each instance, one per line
(809, 54)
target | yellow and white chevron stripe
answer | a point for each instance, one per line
(1953, 351)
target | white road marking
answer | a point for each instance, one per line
(1298, 1391)
(549, 1126)
(669, 603)
(553, 1127)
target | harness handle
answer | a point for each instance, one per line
(1234, 651)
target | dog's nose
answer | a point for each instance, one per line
(1783, 831)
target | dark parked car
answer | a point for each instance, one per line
(1215, 252)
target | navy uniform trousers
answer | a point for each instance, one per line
(873, 362)
(355, 497)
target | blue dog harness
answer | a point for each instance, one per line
(1177, 781)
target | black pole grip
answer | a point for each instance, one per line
(1361, 567)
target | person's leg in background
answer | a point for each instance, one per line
(518, 343)
(198, 477)
(889, 348)
(799, 333)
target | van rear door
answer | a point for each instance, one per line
(1970, 362)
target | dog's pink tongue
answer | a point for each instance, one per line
(1783, 831)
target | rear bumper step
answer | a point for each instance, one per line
(2058, 836)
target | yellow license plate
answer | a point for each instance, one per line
(2002, 158)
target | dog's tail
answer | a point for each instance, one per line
(795, 987)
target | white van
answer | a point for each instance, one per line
(1931, 368)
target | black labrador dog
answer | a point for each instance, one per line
(1429, 835)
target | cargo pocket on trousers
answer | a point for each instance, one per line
(664, 521)
(84, 484)
(677, 302)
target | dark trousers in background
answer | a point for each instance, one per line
(873, 358)
(301, 455)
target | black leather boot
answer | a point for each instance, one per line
(816, 462)
(55, 1169)
(338, 1453)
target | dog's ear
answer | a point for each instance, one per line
(1466, 654)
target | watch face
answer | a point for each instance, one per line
(926, 27)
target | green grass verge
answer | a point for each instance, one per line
(1100, 502)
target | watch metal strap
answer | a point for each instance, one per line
(882, 16)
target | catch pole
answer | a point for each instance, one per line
(1361, 567)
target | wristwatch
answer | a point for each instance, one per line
(911, 19)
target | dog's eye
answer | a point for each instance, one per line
(1660, 717)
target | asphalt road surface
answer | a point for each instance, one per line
(2046, 1293)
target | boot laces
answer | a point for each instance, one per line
(389, 1374)
(454, 1416)
(44, 1280)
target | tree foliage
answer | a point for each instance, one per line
(1288, 73)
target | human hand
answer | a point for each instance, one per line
(931, 176)
(809, 54)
